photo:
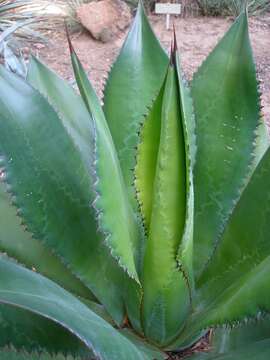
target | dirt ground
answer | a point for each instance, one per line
(196, 37)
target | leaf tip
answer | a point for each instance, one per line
(174, 48)
(71, 48)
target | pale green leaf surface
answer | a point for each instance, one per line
(166, 293)
(146, 159)
(134, 81)
(51, 181)
(226, 106)
(25, 289)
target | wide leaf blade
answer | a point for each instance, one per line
(47, 164)
(226, 106)
(236, 282)
(25, 289)
(18, 243)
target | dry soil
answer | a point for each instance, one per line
(196, 37)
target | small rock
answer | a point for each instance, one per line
(104, 19)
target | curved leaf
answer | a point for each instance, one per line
(29, 331)
(134, 81)
(18, 243)
(226, 106)
(49, 174)
(22, 288)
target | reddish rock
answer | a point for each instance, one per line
(104, 19)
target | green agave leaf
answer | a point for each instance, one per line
(13, 354)
(25, 289)
(250, 341)
(236, 282)
(29, 331)
(133, 83)
(226, 104)
(115, 215)
(49, 174)
(166, 293)
(185, 251)
(18, 243)
(73, 112)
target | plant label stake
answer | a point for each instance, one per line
(168, 9)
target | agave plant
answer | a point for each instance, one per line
(135, 226)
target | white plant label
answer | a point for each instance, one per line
(168, 9)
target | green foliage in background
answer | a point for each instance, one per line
(20, 21)
(20, 18)
(128, 230)
(232, 7)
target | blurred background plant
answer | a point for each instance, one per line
(23, 22)
(232, 7)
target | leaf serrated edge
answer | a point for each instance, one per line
(243, 185)
(250, 169)
(20, 212)
(99, 212)
(144, 119)
(38, 354)
(88, 344)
